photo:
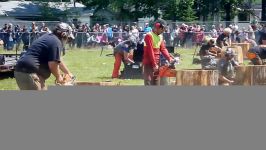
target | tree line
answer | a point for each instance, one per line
(181, 10)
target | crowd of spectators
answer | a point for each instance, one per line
(86, 36)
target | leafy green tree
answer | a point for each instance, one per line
(185, 11)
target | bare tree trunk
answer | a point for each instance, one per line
(263, 13)
(227, 7)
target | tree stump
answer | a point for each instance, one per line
(197, 77)
(82, 83)
(251, 75)
(237, 50)
(245, 47)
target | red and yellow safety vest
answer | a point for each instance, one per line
(153, 45)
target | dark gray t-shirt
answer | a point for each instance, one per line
(46, 48)
(260, 51)
(124, 46)
(226, 68)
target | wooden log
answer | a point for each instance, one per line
(237, 50)
(197, 77)
(245, 47)
(251, 75)
(243, 75)
(82, 83)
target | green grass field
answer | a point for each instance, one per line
(88, 65)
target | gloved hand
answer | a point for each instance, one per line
(66, 80)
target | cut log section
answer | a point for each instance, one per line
(251, 75)
(245, 47)
(83, 83)
(197, 77)
(237, 50)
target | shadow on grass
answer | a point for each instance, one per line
(6, 75)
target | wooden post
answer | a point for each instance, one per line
(251, 75)
(197, 77)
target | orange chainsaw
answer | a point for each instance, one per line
(168, 70)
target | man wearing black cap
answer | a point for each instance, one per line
(153, 47)
(42, 58)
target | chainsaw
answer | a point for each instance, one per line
(68, 80)
(168, 70)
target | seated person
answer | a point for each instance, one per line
(226, 67)
(237, 38)
(207, 53)
(256, 54)
(123, 52)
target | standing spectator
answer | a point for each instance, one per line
(250, 32)
(198, 35)
(134, 33)
(33, 32)
(220, 29)
(167, 35)
(237, 38)
(175, 35)
(147, 28)
(262, 39)
(182, 34)
(109, 32)
(120, 34)
(5, 35)
(79, 37)
(10, 37)
(213, 32)
(18, 33)
(72, 42)
(104, 36)
(25, 37)
(188, 37)
(43, 29)
(115, 32)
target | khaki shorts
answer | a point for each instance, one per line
(29, 81)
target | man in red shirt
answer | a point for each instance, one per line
(153, 47)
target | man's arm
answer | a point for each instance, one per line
(165, 52)
(224, 79)
(64, 68)
(149, 48)
(54, 68)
